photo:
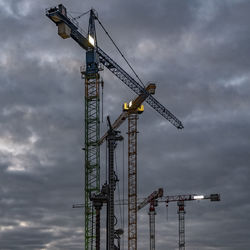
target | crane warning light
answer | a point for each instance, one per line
(199, 197)
(91, 40)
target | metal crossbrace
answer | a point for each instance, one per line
(132, 181)
(92, 155)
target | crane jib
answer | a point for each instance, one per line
(137, 88)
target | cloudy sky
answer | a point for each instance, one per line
(197, 52)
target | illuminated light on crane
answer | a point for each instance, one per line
(91, 40)
(181, 199)
(126, 107)
(153, 200)
(198, 197)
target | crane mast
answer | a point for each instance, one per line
(112, 138)
(133, 112)
(92, 135)
(152, 214)
(98, 200)
(152, 199)
(132, 181)
(181, 213)
(68, 27)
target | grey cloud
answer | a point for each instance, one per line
(197, 53)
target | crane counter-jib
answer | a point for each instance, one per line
(68, 24)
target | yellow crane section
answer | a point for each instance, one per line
(131, 107)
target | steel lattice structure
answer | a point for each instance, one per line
(152, 229)
(92, 153)
(132, 181)
(181, 213)
(110, 64)
(113, 137)
(152, 199)
(58, 16)
(68, 27)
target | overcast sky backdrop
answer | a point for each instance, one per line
(197, 52)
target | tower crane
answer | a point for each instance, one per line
(95, 57)
(131, 112)
(181, 199)
(68, 27)
(152, 199)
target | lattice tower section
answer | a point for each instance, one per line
(152, 229)
(181, 213)
(132, 181)
(92, 154)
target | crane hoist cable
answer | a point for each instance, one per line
(83, 14)
(123, 190)
(120, 51)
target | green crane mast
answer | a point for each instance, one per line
(92, 133)
(67, 27)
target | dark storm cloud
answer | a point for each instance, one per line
(198, 54)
